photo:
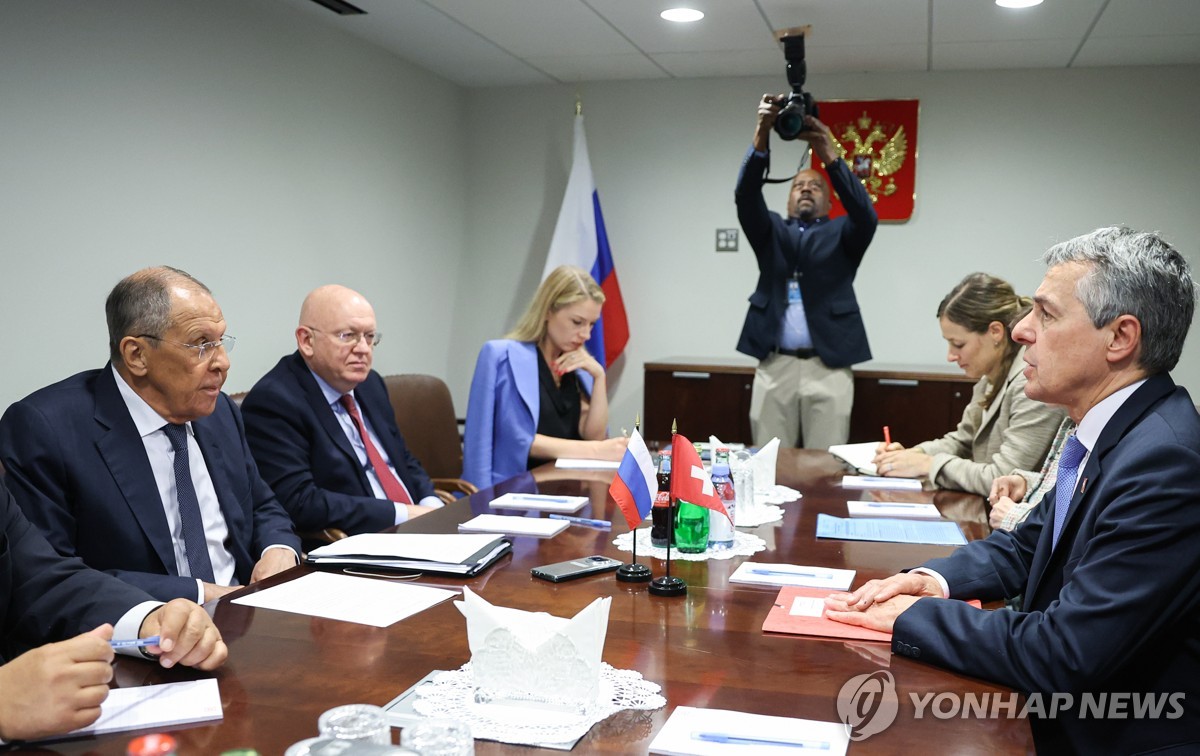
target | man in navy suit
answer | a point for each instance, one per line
(804, 324)
(322, 429)
(1108, 563)
(141, 468)
(46, 598)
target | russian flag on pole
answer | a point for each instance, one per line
(635, 485)
(580, 239)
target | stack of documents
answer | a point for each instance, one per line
(366, 601)
(539, 502)
(940, 533)
(537, 527)
(155, 707)
(716, 732)
(893, 509)
(765, 573)
(451, 554)
(859, 456)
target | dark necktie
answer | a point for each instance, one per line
(392, 487)
(1064, 484)
(194, 544)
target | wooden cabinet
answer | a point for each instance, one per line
(917, 403)
(712, 396)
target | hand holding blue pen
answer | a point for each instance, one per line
(135, 643)
(605, 524)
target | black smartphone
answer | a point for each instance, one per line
(560, 571)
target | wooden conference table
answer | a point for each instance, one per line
(706, 649)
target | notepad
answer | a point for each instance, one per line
(538, 527)
(766, 573)
(691, 731)
(859, 456)
(893, 509)
(539, 502)
(941, 533)
(801, 611)
(155, 707)
(893, 484)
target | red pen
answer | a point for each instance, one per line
(887, 435)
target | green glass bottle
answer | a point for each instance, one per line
(691, 528)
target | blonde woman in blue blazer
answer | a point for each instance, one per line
(537, 394)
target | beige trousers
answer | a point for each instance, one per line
(795, 398)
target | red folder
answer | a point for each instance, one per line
(780, 619)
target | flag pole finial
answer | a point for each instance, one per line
(637, 421)
(674, 430)
(578, 104)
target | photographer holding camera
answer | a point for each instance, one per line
(804, 324)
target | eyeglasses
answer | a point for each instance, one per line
(204, 351)
(351, 338)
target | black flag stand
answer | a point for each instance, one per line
(634, 572)
(668, 585)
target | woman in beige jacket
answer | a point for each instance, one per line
(1001, 429)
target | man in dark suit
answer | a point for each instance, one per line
(322, 429)
(141, 468)
(46, 598)
(1108, 563)
(804, 324)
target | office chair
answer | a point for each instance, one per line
(425, 415)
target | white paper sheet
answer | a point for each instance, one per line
(539, 502)
(538, 527)
(894, 484)
(892, 509)
(765, 573)
(351, 599)
(858, 456)
(698, 732)
(157, 707)
(566, 463)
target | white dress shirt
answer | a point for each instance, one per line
(1088, 433)
(350, 428)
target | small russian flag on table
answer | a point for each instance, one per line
(636, 482)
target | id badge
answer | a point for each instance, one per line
(793, 291)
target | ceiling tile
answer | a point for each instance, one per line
(865, 58)
(1140, 51)
(853, 22)
(727, 25)
(727, 63)
(1033, 53)
(1143, 18)
(538, 27)
(573, 68)
(983, 20)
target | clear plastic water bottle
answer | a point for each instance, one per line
(720, 527)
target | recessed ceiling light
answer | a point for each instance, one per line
(683, 15)
(1018, 3)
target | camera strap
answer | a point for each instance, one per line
(804, 163)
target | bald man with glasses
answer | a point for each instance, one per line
(322, 429)
(141, 468)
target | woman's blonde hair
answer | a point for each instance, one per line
(565, 286)
(980, 300)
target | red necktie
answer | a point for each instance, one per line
(392, 487)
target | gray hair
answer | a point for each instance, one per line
(1139, 274)
(140, 305)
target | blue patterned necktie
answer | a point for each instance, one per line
(1064, 485)
(189, 507)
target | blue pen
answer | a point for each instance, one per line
(721, 737)
(606, 524)
(136, 643)
(757, 571)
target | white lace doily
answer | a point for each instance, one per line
(762, 514)
(452, 694)
(744, 544)
(776, 495)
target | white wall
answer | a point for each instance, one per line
(1009, 163)
(268, 153)
(260, 150)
